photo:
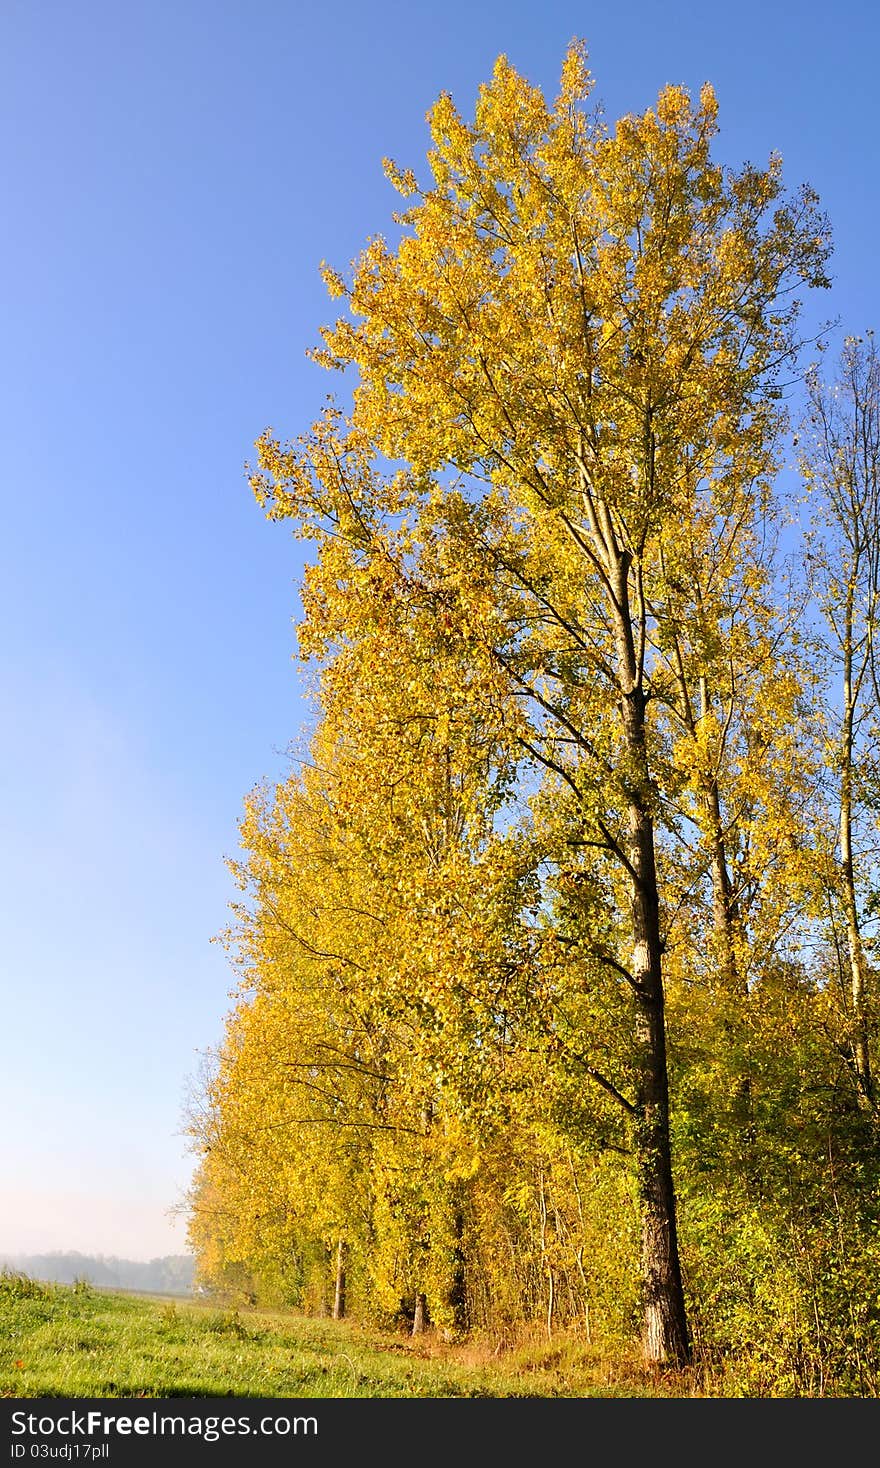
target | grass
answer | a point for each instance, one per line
(74, 1341)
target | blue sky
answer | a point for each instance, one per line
(173, 173)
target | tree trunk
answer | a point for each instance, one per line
(722, 903)
(339, 1297)
(665, 1328)
(723, 920)
(724, 925)
(859, 1040)
(420, 1315)
(458, 1281)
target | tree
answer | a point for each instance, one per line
(571, 352)
(841, 462)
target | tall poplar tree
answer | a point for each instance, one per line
(570, 353)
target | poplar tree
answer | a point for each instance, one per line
(570, 353)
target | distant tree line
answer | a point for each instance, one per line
(170, 1274)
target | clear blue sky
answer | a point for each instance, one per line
(172, 175)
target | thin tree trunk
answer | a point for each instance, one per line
(723, 919)
(860, 1052)
(722, 897)
(579, 1254)
(420, 1315)
(551, 1301)
(724, 926)
(458, 1281)
(545, 1264)
(339, 1296)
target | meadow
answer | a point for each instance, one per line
(78, 1341)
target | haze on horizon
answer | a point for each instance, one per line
(73, 1220)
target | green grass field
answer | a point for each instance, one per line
(74, 1341)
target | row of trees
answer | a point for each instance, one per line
(556, 994)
